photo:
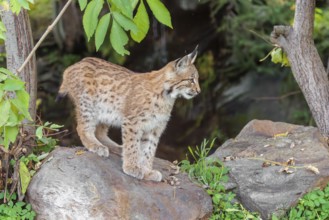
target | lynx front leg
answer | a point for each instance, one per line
(131, 152)
(149, 145)
(88, 139)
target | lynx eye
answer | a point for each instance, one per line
(192, 81)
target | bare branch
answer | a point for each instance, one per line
(45, 35)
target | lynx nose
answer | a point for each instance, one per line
(198, 89)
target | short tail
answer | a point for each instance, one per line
(61, 93)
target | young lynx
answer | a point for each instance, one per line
(107, 95)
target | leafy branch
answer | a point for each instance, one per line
(121, 20)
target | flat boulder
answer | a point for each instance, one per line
(77, 184)
(273, 164)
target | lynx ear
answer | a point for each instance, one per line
(186, 60)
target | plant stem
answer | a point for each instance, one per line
(45, 35)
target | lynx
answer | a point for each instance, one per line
(107, 95)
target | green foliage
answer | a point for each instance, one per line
(15, 210)
(45, 142)
(14, 103)
(120, 20)
(211, 174)
(313, 205)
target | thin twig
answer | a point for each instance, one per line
(45, 35)
(277, 97)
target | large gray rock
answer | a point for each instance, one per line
(71, 185)
(263, 188)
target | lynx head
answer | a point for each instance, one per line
(182, 77)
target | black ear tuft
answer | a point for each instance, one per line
(194, 54)
(187, 60)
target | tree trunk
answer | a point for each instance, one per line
(18, 44)
(307, 67)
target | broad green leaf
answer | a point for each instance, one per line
(39, 132)
(24, 4)
(125, 22)
(8, 72)
(13, 85)
(160, 12)
(118, 38)
(90, 17)
(21, 102)
(82, 4)
(101, 30)
(10, 134)
(141, 19)
(3, 77)
(15, 7)
(4, 108)
(13, 119)
(124, 6)
(134, 3)
(25, 176)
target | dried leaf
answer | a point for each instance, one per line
(286, 170)
(313, 169)
(292, 145)
(79, 152)
(267, 145)
(291, 161)
(281, 135)
(266, 164)
(228, 158)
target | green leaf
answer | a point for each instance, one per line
(133, 4)
(13, 85)
(142, 21)
(276, 55)
(10, 134)
(15, 7)
(21, 102)
(82, 4)
(3, 77)
(2, 31)
(39, 132)
(160, 12)
(56, 126)
(8, 72)
(90, 17)
(13, 119)
(24, 4)
(25, 176)
(5, 108)
(125, 22)
(118, 38)
(124, 6)
(101, 30)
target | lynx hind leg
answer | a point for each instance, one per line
(102, 136)
(89, 140)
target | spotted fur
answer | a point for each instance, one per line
(107, 95)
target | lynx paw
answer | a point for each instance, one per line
(133, 171)
(101, 151)
(153, 175)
